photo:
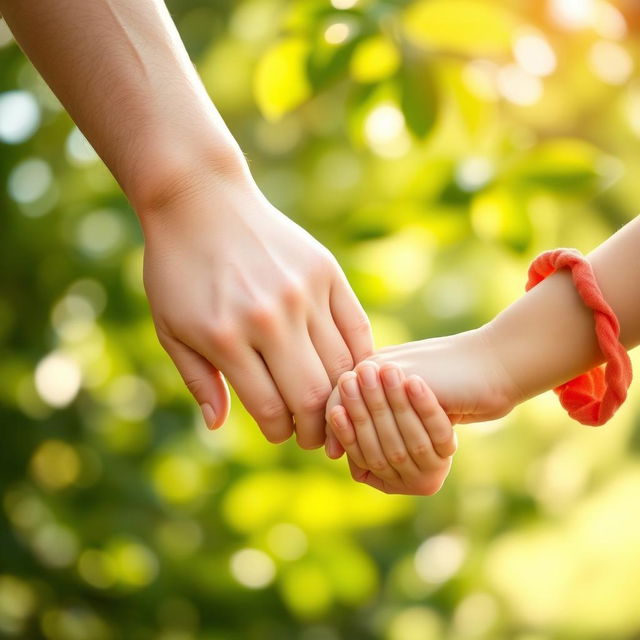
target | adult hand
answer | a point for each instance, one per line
(237, 288)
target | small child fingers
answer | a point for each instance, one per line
(433, 417)
(364, 427)
(414, 433)
(343, 430)
(383, 418)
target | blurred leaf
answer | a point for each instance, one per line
(500, 215)
(362, 100)
(561, 165)
(280, 81)
(374, 59)
(472, 27)
(328, 62)
(419, 99)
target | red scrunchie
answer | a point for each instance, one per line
(593, 397)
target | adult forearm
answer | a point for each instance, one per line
(122, 72)
(547, 337)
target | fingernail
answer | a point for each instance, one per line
(369, 377)
(208, 414)
(391, 377)
(338, 420)
(416, 386)
(350, 387)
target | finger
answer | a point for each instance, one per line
(384, 421)
(259, 394)
(366, 435)
(414, 432)
(350, 319)
(204, 381)
(333, 448)
(346, 435)
(432, 416)
(367, 477)
(330, 346)
(303, 383)
(336, 359)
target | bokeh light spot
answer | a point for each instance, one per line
(19, 116)
(287, 541)
(131, 397)
(337, 33)
(611, 62)
(29, 180)
(135, 564)
(534, 54)
(415, 623)
(439, 558)
(55, 545)
(57, 379)
(252, 568)
(100, 233)
(96, 568)
(55, 465)
(518, 86)
(177, 479)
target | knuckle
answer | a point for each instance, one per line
(398, 457)
(322, 265)
(399, 408)
(378, 465)
(314, 399)
(420, 450)
(223, 335)
(341, 364)
(270, 410)
(292, 294)
(359, 475)
(361, 327)
(196, 386)
(359, 420)
(263, 316)
(378, 409)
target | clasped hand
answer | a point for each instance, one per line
(239, 290)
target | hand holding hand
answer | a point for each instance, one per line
(463, 371)
(237, 288)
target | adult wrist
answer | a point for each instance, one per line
(170, 172)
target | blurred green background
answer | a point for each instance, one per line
(435, 147)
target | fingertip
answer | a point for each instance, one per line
(391, 374)
(416, 386)
(447, 448)
(368, 374)
(348, 386)
(337, 416)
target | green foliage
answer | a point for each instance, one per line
(435, 146)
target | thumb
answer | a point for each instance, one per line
(204, 381)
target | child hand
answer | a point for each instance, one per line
(397, 436)
(463, 371)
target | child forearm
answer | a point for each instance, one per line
(547, 336)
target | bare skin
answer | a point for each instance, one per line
(236, 289)
(543, 339)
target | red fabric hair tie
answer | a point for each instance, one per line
(593, 397)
